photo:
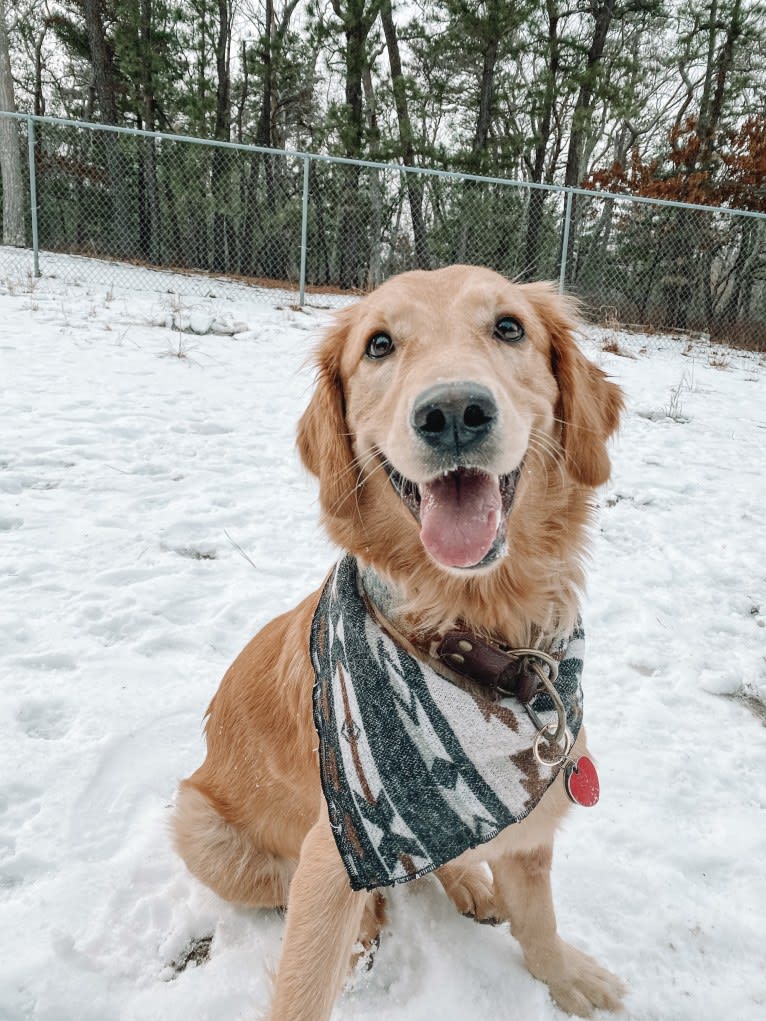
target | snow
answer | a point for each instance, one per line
(153, 515)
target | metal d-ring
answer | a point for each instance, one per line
(568, 742)
(547, 682)
(544, 657)
(561, 713)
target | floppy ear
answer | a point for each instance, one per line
(589, 404)
(323, 438)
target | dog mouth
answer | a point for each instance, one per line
(463, 514)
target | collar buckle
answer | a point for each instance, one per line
(521, 673)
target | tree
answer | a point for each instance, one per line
(542, 111)
(538, 90)
(355, 19)
(148, 63)
(414, 182)
(275, 105)
(224, 235)
(697, 264)
(14, 232)
(602, 12)
(101, 60)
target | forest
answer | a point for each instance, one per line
(664, 99)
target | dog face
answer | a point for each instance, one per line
(438, 395)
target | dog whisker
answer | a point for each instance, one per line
(547, 443)
(360, 463)
(541, 444)
(576, 425)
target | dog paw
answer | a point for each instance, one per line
(366, 946)
(580, 985)
(363, 956)
(470, 889)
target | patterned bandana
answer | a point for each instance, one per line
(415, 770)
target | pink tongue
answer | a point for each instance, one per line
(459, 516)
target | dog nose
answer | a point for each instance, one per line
(454, 416)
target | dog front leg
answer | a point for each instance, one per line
(577, 983)
(323, 919)
(470, 889)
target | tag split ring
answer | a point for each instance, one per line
(545, 733)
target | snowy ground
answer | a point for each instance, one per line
(135, 459)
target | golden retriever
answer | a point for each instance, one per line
(457, 433)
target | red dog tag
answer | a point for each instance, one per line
(581, 782)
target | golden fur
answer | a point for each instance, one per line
(251, 821)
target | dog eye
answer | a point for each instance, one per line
(379, 345)
(509, 330)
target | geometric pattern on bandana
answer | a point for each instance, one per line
(415, 770)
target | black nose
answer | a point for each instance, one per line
(454, 416)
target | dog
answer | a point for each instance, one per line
(457, 433)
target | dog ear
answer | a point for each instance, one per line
(589, 404)
(323, 440)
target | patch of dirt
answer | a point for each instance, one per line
(756, 707)
(196, 952)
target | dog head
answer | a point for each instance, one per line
(446, 402)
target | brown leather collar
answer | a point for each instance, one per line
(496, 669)
(492, 666)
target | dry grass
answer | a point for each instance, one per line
(610, 346)
(719, 360)
(181, 350)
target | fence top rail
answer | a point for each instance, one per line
(454, 175)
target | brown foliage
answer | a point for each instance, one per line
(731, 172)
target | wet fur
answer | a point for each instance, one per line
(251, 822)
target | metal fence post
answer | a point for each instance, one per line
(565, 241)
(304, 230)
(33, 195)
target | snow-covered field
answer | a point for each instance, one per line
(139, 463)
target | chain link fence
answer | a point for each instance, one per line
(132, 201)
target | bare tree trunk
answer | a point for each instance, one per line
(581, 116)
(116, 199)
(680, 293)
(224, 238)
(10, 154)
(357, 19)
(103, 74)
(471, 190)
(150, 206)
(39, 96)
(263, 131)
(531, 268)
(375, 268)
(414, 182)
(583, 105)
(260, 187)
(351, 254)
(486, 94)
